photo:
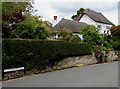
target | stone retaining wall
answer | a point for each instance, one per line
(68, 63)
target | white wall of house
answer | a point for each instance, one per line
(86, 19)
(54, 22)
(103, 27)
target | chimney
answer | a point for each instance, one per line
(55, 17)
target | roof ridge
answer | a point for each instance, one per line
(72, 20)
(92, 11)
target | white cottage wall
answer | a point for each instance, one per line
(104, 27)
(87, 19)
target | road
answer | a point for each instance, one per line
(99, 75)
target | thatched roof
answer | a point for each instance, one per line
(97, 17)
(72, 25)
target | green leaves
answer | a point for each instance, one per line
(39, 54)
(91, 35)
(65, 32)
(12, 14)
(30, 28)
(80, 11)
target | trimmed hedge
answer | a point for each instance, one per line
(39, 54)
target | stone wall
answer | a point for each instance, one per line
(73, 61)
(111, 56)
(69, 62)
(108, 56)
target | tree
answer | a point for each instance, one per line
(91, 35)
(30, 28)
(65, 32)
(115, 31)
(80, 11)
(72, 17)
(13, 15)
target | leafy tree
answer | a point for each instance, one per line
(53, 34)
(91, 35)
(74, 16)
(65, 32)
(80, 11)
(30, 28)
(115, 31)
(12, 13)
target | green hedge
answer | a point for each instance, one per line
(39, 54)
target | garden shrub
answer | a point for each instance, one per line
(39, 54)
(91, 35)
(74, 38)
(67, 38)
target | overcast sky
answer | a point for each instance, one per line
(67, 8)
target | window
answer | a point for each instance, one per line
(99, 26)
(107, 27)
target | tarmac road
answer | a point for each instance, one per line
(99, 75)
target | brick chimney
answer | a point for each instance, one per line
(55, 17)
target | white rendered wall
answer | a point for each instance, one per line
(85, 18)
(103, 27)
(54, 22)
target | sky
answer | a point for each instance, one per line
(67, 8)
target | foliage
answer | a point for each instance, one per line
(72, 17)
(53, 33)
(115, 31)
(116, 43)
(91, 35)
(67, 38)
(13, 15)
(80, 11)
(48, 24)
(74, 38)
(100, 57)
(65, 32)
(26, 28)
(39, 54)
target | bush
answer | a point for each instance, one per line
(91, 35)
(115, 31)
(27, 30)
(74, 38)
(65, 33)
(116, 44)
(67, 38)
(39, 54)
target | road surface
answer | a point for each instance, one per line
(99, 75)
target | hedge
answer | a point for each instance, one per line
(39, 54)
